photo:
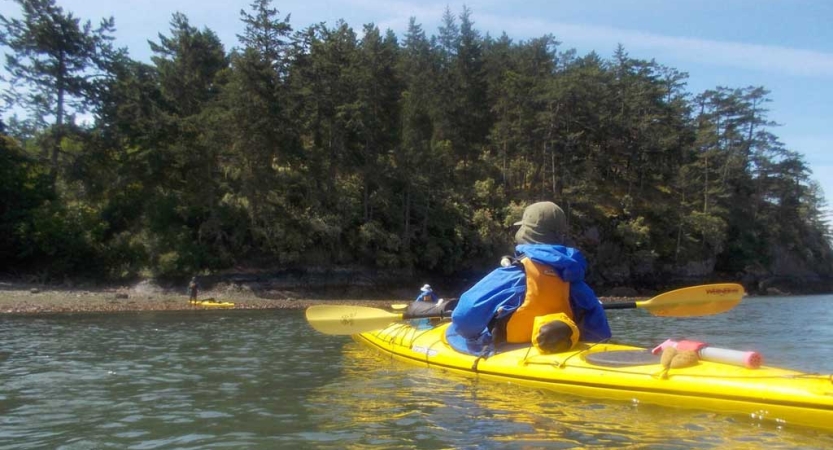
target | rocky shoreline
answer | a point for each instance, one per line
(21, 298)
(28, 298)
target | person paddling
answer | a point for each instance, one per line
(426, 294)
(544, 277)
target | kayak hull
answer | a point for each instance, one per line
(766, 394)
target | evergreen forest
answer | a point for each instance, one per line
(330, 146)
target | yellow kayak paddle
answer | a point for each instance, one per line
(701, 300)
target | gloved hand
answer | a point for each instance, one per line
(441, 309)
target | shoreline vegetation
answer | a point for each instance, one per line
(21, 298)
(334, 146)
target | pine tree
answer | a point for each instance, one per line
(56, 65)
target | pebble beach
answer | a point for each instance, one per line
(25, 298)
(29, 298)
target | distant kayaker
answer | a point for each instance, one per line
(426, 301)
(544, 278)
(426, 294)
(193, 288)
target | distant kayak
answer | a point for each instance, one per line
(212, 303)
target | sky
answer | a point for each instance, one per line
(786, 46)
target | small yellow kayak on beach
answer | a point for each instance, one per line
(212, 303)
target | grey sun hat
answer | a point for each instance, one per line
(542, 223)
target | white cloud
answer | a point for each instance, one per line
(603, 39)
(769, 58)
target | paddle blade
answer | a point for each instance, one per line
(701, 300)
(347, 320)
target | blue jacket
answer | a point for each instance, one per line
(504, 288)
(428, 296)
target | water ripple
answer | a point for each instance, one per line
(255, 379)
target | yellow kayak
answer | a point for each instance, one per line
(766, 394)
(212, 303)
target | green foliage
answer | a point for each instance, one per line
(55, 64)
(68, 237)
(328, 146)
(24, 187)
(380, 247)
(634, 234)
(711, 229)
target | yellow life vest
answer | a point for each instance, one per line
(546, 293)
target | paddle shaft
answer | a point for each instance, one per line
(685, 302)
(617, 305)
(620, 305)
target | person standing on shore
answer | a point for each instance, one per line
(193, 288)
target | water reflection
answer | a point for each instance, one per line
(379, 401)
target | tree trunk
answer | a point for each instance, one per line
(706, 186)
(407, 217)
(59, 117)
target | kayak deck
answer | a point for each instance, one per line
(767, 393)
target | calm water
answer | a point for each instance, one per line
(265, 379)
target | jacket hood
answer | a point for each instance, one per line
(567, 262)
